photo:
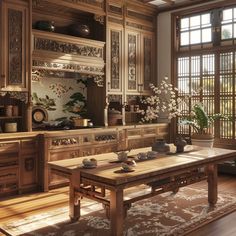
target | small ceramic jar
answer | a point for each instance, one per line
(160, 146)
(8, 110)
(15, 110)
(10, 127)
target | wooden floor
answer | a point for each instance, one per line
(30, 204)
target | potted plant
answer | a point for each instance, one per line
(201, 124)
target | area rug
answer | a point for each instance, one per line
(162, 215)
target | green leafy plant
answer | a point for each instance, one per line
(77, 104)
(199, 120)
(47, 102)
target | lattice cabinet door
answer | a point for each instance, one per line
(147, 62)
(115, 59)
(132, 62)
(15, 45)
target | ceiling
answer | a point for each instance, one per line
(164, 5)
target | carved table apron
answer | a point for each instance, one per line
(164, 173)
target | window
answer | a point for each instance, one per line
(195, 30)
(206, 67)
(228, 24)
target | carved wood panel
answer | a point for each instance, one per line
(15, 46)
(132, 61)
(115, 59)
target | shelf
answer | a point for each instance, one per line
(135, 112)
(10, 117)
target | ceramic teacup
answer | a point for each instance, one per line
(128, 165)
(142, 156)
(151, 154)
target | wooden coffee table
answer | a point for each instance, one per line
(106, 183)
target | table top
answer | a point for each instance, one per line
(109, 171)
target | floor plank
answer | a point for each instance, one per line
(26, 205)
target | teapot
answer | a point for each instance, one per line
(122, 155)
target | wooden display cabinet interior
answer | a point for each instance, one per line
(67, 18)
(19, 118)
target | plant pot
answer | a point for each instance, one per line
(202, 140)
(80, 122)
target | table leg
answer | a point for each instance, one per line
(212, 184)
(74, 205)
(117, 212)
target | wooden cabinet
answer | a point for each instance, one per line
(130, 57)
(18, 165)
(144, 136)
(15, 45)
(79, 144)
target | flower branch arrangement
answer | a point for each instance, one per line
(163, 100)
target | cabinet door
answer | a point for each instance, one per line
(132, 62)
(28, 171)
(29, 163)
(15, 45)
(147, 62)
(114, 60)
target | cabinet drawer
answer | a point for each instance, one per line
(162, 131)
(9, 147)
(8, 175)
(149, 132)
(64, 142)
(7, 161)
(29, 146)
(134, 133)
(105, 149)
(67, 154)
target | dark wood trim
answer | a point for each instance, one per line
(206, 7)
(181, 5)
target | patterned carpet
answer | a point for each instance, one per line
(162, 215)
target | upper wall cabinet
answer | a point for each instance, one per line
(15, 45)
(130, 48)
